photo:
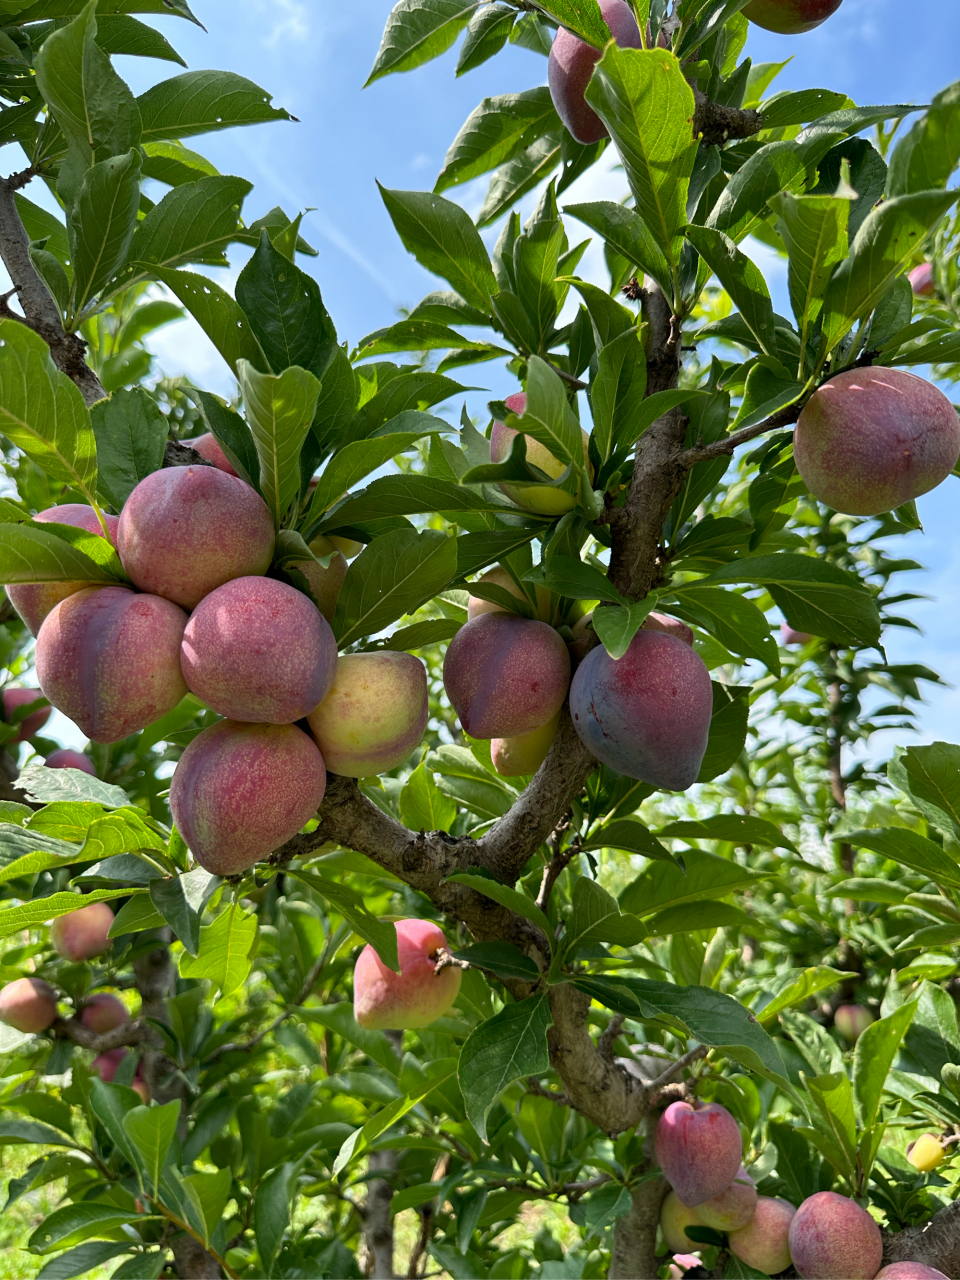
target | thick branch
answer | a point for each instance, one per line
(717, 124)
(727, 444)
(176, 454)
(935, 1244)
(128, 1033)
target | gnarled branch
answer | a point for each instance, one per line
(717, 124)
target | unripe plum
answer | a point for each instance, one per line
(350, 547)
(30, 726)
(324, 581)
(910, 1271)
(732, 1208)
(647, 714)
(675, 1217)
(514, 757)
(110, 660)
(927, 1153)
(923, 282)
(832, 1238)
(699, 1149)
(34, 600)
(374, 715)
(67, 758)
(498, 577)
(185, 531)
(532, 497)
(414, 997)
(852, 1020)
(870, 440)
(789, 17)
(258, 650)
(571, 64)
(506, 675)
(208, 447)
(241, 790)
(28, 1005)
(789, 636)
(102, 1012)
(82, 934)
(764, 1242)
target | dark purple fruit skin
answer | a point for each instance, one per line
(647, 714)
(790, 17)
(571, 64)
(870, 440)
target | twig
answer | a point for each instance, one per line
(128, 1033)
(568, 377)
(558, 863)
(609, 1037)
(675, 1068)
(534, 1085)
(716, 448)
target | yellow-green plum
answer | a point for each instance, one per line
(732, 1208)
(184, 531)
(514, 757)
(102, 1012)
(571, 64)
(374, 715)
(647, 714)
(241, 790)
(927, 1153)
(870, 440)
(349, 546)
(208, 447)
(414, 997)
(910, 1271)
(256, 649)
(498, 577)
(506, 675)
(324, 581)
(13, 700)
(82, 934)
(763, 1243)
(537, 498)
(790, 17)
(923, 282)
(699, 1149)
(109, 658)
(675, 1217)
(832, 1238)
(852, 1020)
(34, 600)
(28, 1005)
(67, 758)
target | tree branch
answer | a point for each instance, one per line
(716, 124)
(717, 448)
(675, 1068)
(935, 1244)
(128, 1033)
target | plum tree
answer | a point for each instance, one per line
(764, 1242)
(851, 1020)
(30, 725)
(186, 530)
(258, 650)
(240, 790)
(832, 1238)
(699, 1149)
(374, 715)
(927, 1153)
(419, 994)
(109, 659)
(514, 757)
(732, 1208)
(790, 17)
(67, 758)
(102, 1012)
(647, 714)
(870, 440)
(675, 1217)
(82, 935)
(506, 675)
(208, 446)
(571, 65)
(923, 281)
(539, 498)
(28, 1005)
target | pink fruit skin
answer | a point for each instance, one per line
(414, 997)
(647, 714)
(790, 17)
(763, 1242)
(107, 1064)
(184, 531)
(241, 790)
(922, 280)
(733, 1208)
(208, 447)
(571, 64)
(83, 933)
(110, 660)
(33, 601)
(13, 700)
(832, 1238)
(103, 1012)
(869, 440)
(506, 675)
(910, 1271)
(699, 1149)
(28, 1005)
(852, 1020)
(670, 626)
(67, 758)
(258, 650)
(789, 636)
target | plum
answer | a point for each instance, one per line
(732, 1208)
(675, 1217)
(699, 1149)
(763, 1243)
(102, 1012)
(414, 997)
(514, 757)
(67, 758)
(30, 726)
(923, 281)
(537, 498)
(208, 447)
(927, 1153)
(571, 64)
(789, 17)
(852, 1020)
(910, 1271)
(832, 1238)
(82, 934)
(28, 1005)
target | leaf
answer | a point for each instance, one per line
(217, 314)
(926, 156)
(130, 433)
(569, 576)
(814, 230)
(417, 31)
(742, 279)
(15, 1132)
(82, 1259)
(601, 1209)
(547, 416)
(733, 827)
(42, 910)
(743, 203)
(629, 835)
(49, 785)
(151, 1130)
(438, 1073)
(728, 729)
(423, 806)
(626, 232)
(232, 434)
(597, 918)
(737, 622)
(873, 1056)
(202, 102)
(512, 899)
(393, 576)
(356, 461)
(800, 107)
(72, 1223)
(799, 987)
(271, 1213)
(498, 131)
(181, 900)
(280, 409)
(136, 916)
(702, 875)
(102, 223)
(380, 934)
(910, 850)
(42, 412)
(442, 238)
(226, 949)
(693, 916)
(339, 1018)
(931, 776)
(501, 958)
(508, 1046)
(285, 311)
(616, 627)
(834, 1099)
(487, 33)
(192, 223)
(31, 553)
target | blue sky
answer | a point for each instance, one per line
(314, 55)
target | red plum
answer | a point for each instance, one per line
(34, 600)
(571, 64)
(28, 1005)
(82, 934)
(699, 1149)
(789, 17)
(832, 1238)
(414, 997)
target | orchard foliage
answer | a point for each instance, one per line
(511, 956)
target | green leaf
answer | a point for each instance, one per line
(616, 627)
(438, 1073)
(81, 1259)
(213, 1192)
(102, 223)
(487, 33)
(910, 850)
(192, 223)
(66, 8)
(354, 462)
(742, 279)
(393, 576)
(135, 916)
(616, 392)
(42, 910)
(737, 622)
(30, 553)
(280, 409)
(501, 958)
(693, 916)
(15, 1132)
(834, 1100)
(626, 232)
(601, 1209)
(380, 934)
(151, 1130)
(174, 164)
(597, 918)
(798, 988)
(512, 899)
(181, 900)
(131, 433)
(464, 777)
(702, 875)
(873, 1056)
(202, 102)
(226, 950)
(728, 729)
(423, 806)
(217, 314)
(548, 417)
(417, 31)
(925, 157)
(743, 202)
(271, 1213)
(814, 229)
(499, 130)
(42, 412)
(232, 434)
(629, 835)
(800, 107)
(568, 576)
(49, 785)
(506, 1047)
(583, 17)
(285, 311)
(339, 1018)
(931, 777)
(442, 238)
(732, 827)
(73, 1223)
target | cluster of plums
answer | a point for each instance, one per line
(829, 1237)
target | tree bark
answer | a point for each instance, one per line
(192, 1261)
(935, 1244)
(635, 1234)
(378, 1220)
